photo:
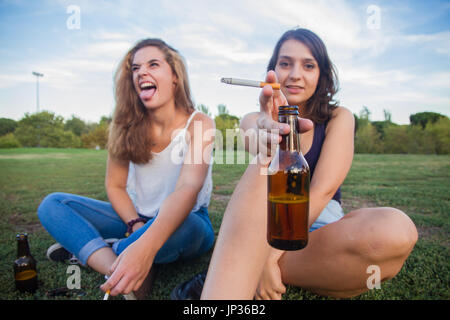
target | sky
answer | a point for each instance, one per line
(390, 55)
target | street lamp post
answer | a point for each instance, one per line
(37, 74)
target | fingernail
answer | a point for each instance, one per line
(283, 128)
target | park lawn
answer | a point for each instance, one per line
(416, 184)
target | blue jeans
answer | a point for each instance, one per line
(81, 224)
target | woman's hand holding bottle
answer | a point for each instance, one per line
(269, 129)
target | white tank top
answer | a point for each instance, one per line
(149, 184)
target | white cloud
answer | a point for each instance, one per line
(399, 91)
(9, 80)
(209, 45)
(105, 50)
(340, 25)
(370, 76)
(236, 38)
(438, 42)
(108, 35)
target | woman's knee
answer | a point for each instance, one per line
(193, 237)
(48, 202)
(386, 234)
(402, 233)
(407, 235)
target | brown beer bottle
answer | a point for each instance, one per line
(288, 189)
(25, 272)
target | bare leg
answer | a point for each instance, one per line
(241, 247)
(334, 262)
(102, 260)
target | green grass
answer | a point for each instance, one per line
(417, 184)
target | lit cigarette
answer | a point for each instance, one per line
(249, 83)
(107, 291)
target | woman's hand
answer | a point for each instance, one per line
(270, 286)
(269, 129)
(270, 99)
(129, 270)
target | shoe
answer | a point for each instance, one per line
(58, 253)
(130, 296)
(146, 286)
(191, 289)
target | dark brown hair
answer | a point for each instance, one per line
(129, 138)
(321, 104)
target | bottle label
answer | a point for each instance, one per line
(25, 275)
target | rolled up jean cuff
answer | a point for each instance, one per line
(89, 248)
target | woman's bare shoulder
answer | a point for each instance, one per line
(206, 121)
(341, 116)
(341, 111)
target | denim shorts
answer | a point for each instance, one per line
(332, 213)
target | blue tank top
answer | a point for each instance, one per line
(312, 156)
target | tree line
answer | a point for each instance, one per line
(427, 133)
(47, 130)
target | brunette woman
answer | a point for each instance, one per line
(341, 248)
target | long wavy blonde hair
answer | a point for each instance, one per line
(129, 134)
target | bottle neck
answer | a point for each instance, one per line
(22, 248)
(291, 141)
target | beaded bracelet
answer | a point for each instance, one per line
(131, 223)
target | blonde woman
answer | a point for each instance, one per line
(152, 133)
